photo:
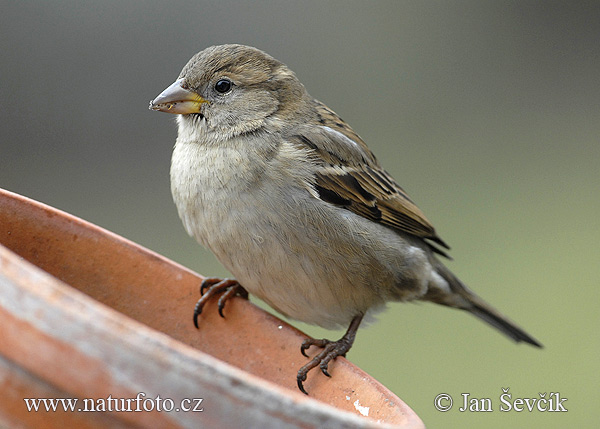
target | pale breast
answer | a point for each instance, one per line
(308, 259)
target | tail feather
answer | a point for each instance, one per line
(465, 299)
(503, 324)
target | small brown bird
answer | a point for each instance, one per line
(293, 203)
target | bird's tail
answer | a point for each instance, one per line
(465, 299)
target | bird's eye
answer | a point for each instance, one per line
(223, 85)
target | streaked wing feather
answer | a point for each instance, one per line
(351, 177)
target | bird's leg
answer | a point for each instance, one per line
(331, 350)
(212, 286)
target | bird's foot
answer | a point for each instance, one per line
(331, 350)
(212, 286)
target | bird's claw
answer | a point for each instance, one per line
(331, 350)
(212, 286)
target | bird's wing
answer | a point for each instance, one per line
(349, 176)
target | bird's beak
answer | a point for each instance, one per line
(177, 99)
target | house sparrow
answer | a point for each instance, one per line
(293, 203)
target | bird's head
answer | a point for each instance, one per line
(231, 90)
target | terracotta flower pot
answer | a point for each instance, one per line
(87, 314)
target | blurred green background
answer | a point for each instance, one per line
(487, 113)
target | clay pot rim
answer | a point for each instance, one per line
(70, 301)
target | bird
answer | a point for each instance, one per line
(294, 204)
